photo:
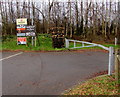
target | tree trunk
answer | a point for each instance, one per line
(70, 19)
(118, 31)
(77, 22)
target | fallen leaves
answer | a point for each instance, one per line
(105, 85)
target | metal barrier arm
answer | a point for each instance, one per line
(83, 46)
(106, 48)
(80, 41)
(110, 49)
(83, 42)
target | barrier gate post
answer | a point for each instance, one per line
(66, 43)
(111, 57)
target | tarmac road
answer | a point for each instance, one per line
(49, 73)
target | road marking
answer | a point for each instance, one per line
(11, 56)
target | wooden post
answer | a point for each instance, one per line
(117, 63)
(26, 41)
(118, 57)
(115, 41)
(35, 41)
(17, 40)
(32, 41)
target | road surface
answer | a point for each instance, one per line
(48, 73)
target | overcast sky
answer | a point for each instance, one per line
(66, 0)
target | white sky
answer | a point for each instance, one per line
(65, 0)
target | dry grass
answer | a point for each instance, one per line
(105, 85)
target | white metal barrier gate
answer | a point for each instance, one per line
(110, 49)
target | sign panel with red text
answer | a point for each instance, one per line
(21, 40)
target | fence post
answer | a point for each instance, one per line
(82, 44)
(32, 41)
(110, 66)
(117, 71)
(35, 41)
(115, 41)
(74, 44)
(66, 43)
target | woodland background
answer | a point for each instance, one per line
(82, 20)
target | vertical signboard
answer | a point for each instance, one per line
(21, 30)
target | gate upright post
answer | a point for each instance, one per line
(66, 43)
(110, 66)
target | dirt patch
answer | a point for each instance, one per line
(69, 50)
(97, 74)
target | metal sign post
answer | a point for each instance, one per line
(30, 30)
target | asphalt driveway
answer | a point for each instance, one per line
(49, 73)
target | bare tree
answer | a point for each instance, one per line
(118, 32)
(49, 10)
(69, 4)
(77, 17)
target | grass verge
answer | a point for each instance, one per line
(44, 44)
(104, 85)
